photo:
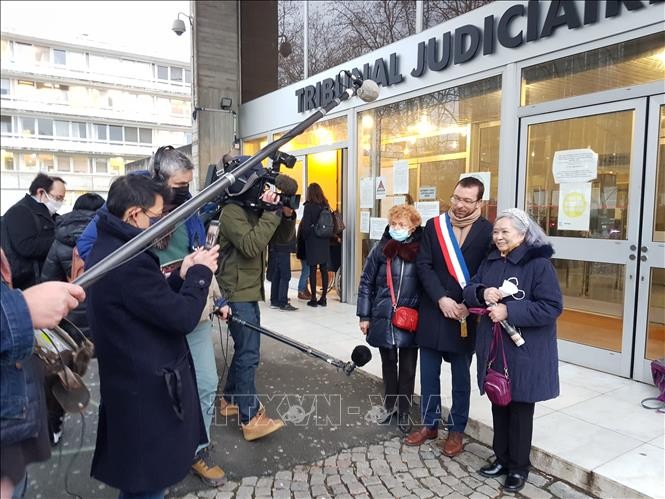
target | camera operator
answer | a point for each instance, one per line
(248, 222)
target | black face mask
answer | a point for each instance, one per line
(180, 195)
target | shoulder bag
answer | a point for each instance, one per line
(497, 385)
(403, 317)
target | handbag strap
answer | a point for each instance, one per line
(389, 278)
(496, 339)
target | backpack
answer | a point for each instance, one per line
(338, 223)
(78, 265)
(325, 225)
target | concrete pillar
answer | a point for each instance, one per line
(216, 74)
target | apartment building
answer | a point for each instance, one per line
(82, 110)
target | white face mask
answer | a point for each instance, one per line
(53, 205)
(509, 288)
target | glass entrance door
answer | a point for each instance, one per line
(592, 212)
(650, 323)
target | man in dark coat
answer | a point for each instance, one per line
(442, 334)
(150, 421)
(28, 229)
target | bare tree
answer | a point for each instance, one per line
(438, 11)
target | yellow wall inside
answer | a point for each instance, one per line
(322, 169)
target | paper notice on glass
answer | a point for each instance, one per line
(366, 192)
(574, 165)
(364, 222)
(400, 177)
(397, 200)
(376, 227)
(427, 210)
(427, 192)
(484, 177)
(574, 206)
(380, 187)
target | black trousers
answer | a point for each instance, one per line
(324, 279)
(513, 428)
(399, 376)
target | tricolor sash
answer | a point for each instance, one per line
(452, 254)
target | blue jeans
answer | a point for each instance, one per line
(142, 495)
(240, 386)
(280, 265)
(304, 277)
(430, 385)
(203, 355)
(21, 487)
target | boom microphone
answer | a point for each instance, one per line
(367, 90)
(286, 185)
(360, 356)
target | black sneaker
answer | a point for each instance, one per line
(312, 303)
(322, 301)
(288, 308)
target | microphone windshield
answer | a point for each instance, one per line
(368, 91)
(286, 184)
(361, 355)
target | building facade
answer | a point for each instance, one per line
(82, 110)
(558, 106)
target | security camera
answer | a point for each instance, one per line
(179, 27)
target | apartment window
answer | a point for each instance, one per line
(27, 127)
(7, 160)
(42, 55)
(188, 76)
(100, 132)
(64, 163)
(29, 162)
(25, 89)
(46, 162)
(81, 164)
(176, 74)
(162, 72)
(4, 86)
(101, 165)
(61, 128)
(45, 127)
(145, 135)
(23, 52)
(115, 133)
(59, 57)
(79, 130)
(131, 134)
(6, 123)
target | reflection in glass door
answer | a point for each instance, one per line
(650, 324)
(594, 225)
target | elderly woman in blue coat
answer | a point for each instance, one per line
(518, 276)
(399, 353)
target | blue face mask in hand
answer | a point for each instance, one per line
(398, 234)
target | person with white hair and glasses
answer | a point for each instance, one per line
(518, 284)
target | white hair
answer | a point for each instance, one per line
(533, 234)
(171, 161)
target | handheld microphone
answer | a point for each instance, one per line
(360, 356)
(367, 90)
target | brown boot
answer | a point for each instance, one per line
(304, 295)
(206, 470)
(421, 435)
(454, 444)
(260, 426)
(227, 409)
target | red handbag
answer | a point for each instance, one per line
(404, 318)
(497, 385)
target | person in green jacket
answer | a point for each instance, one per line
(244, 234)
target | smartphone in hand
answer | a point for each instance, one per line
(212, 235)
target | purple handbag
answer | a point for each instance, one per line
(497, 385)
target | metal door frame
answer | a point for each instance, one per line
(600, 250)
(652, 253)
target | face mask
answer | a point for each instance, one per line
(509, 288)
(398, 234)
(52, 204)
(180, 195)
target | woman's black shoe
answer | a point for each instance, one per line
(514, 482)
(493, 470)
(322, 301)
(313, 303)
(404, 423)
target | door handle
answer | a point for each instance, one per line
(644, 249)
(643, 258)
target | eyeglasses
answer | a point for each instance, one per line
(456, 200)
(55, 198)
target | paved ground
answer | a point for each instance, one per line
(331, 446)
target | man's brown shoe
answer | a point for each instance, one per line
(260, 426)
(304, 295)
(454, 444)
(227, 409)
(421, 435)
(206, 470)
